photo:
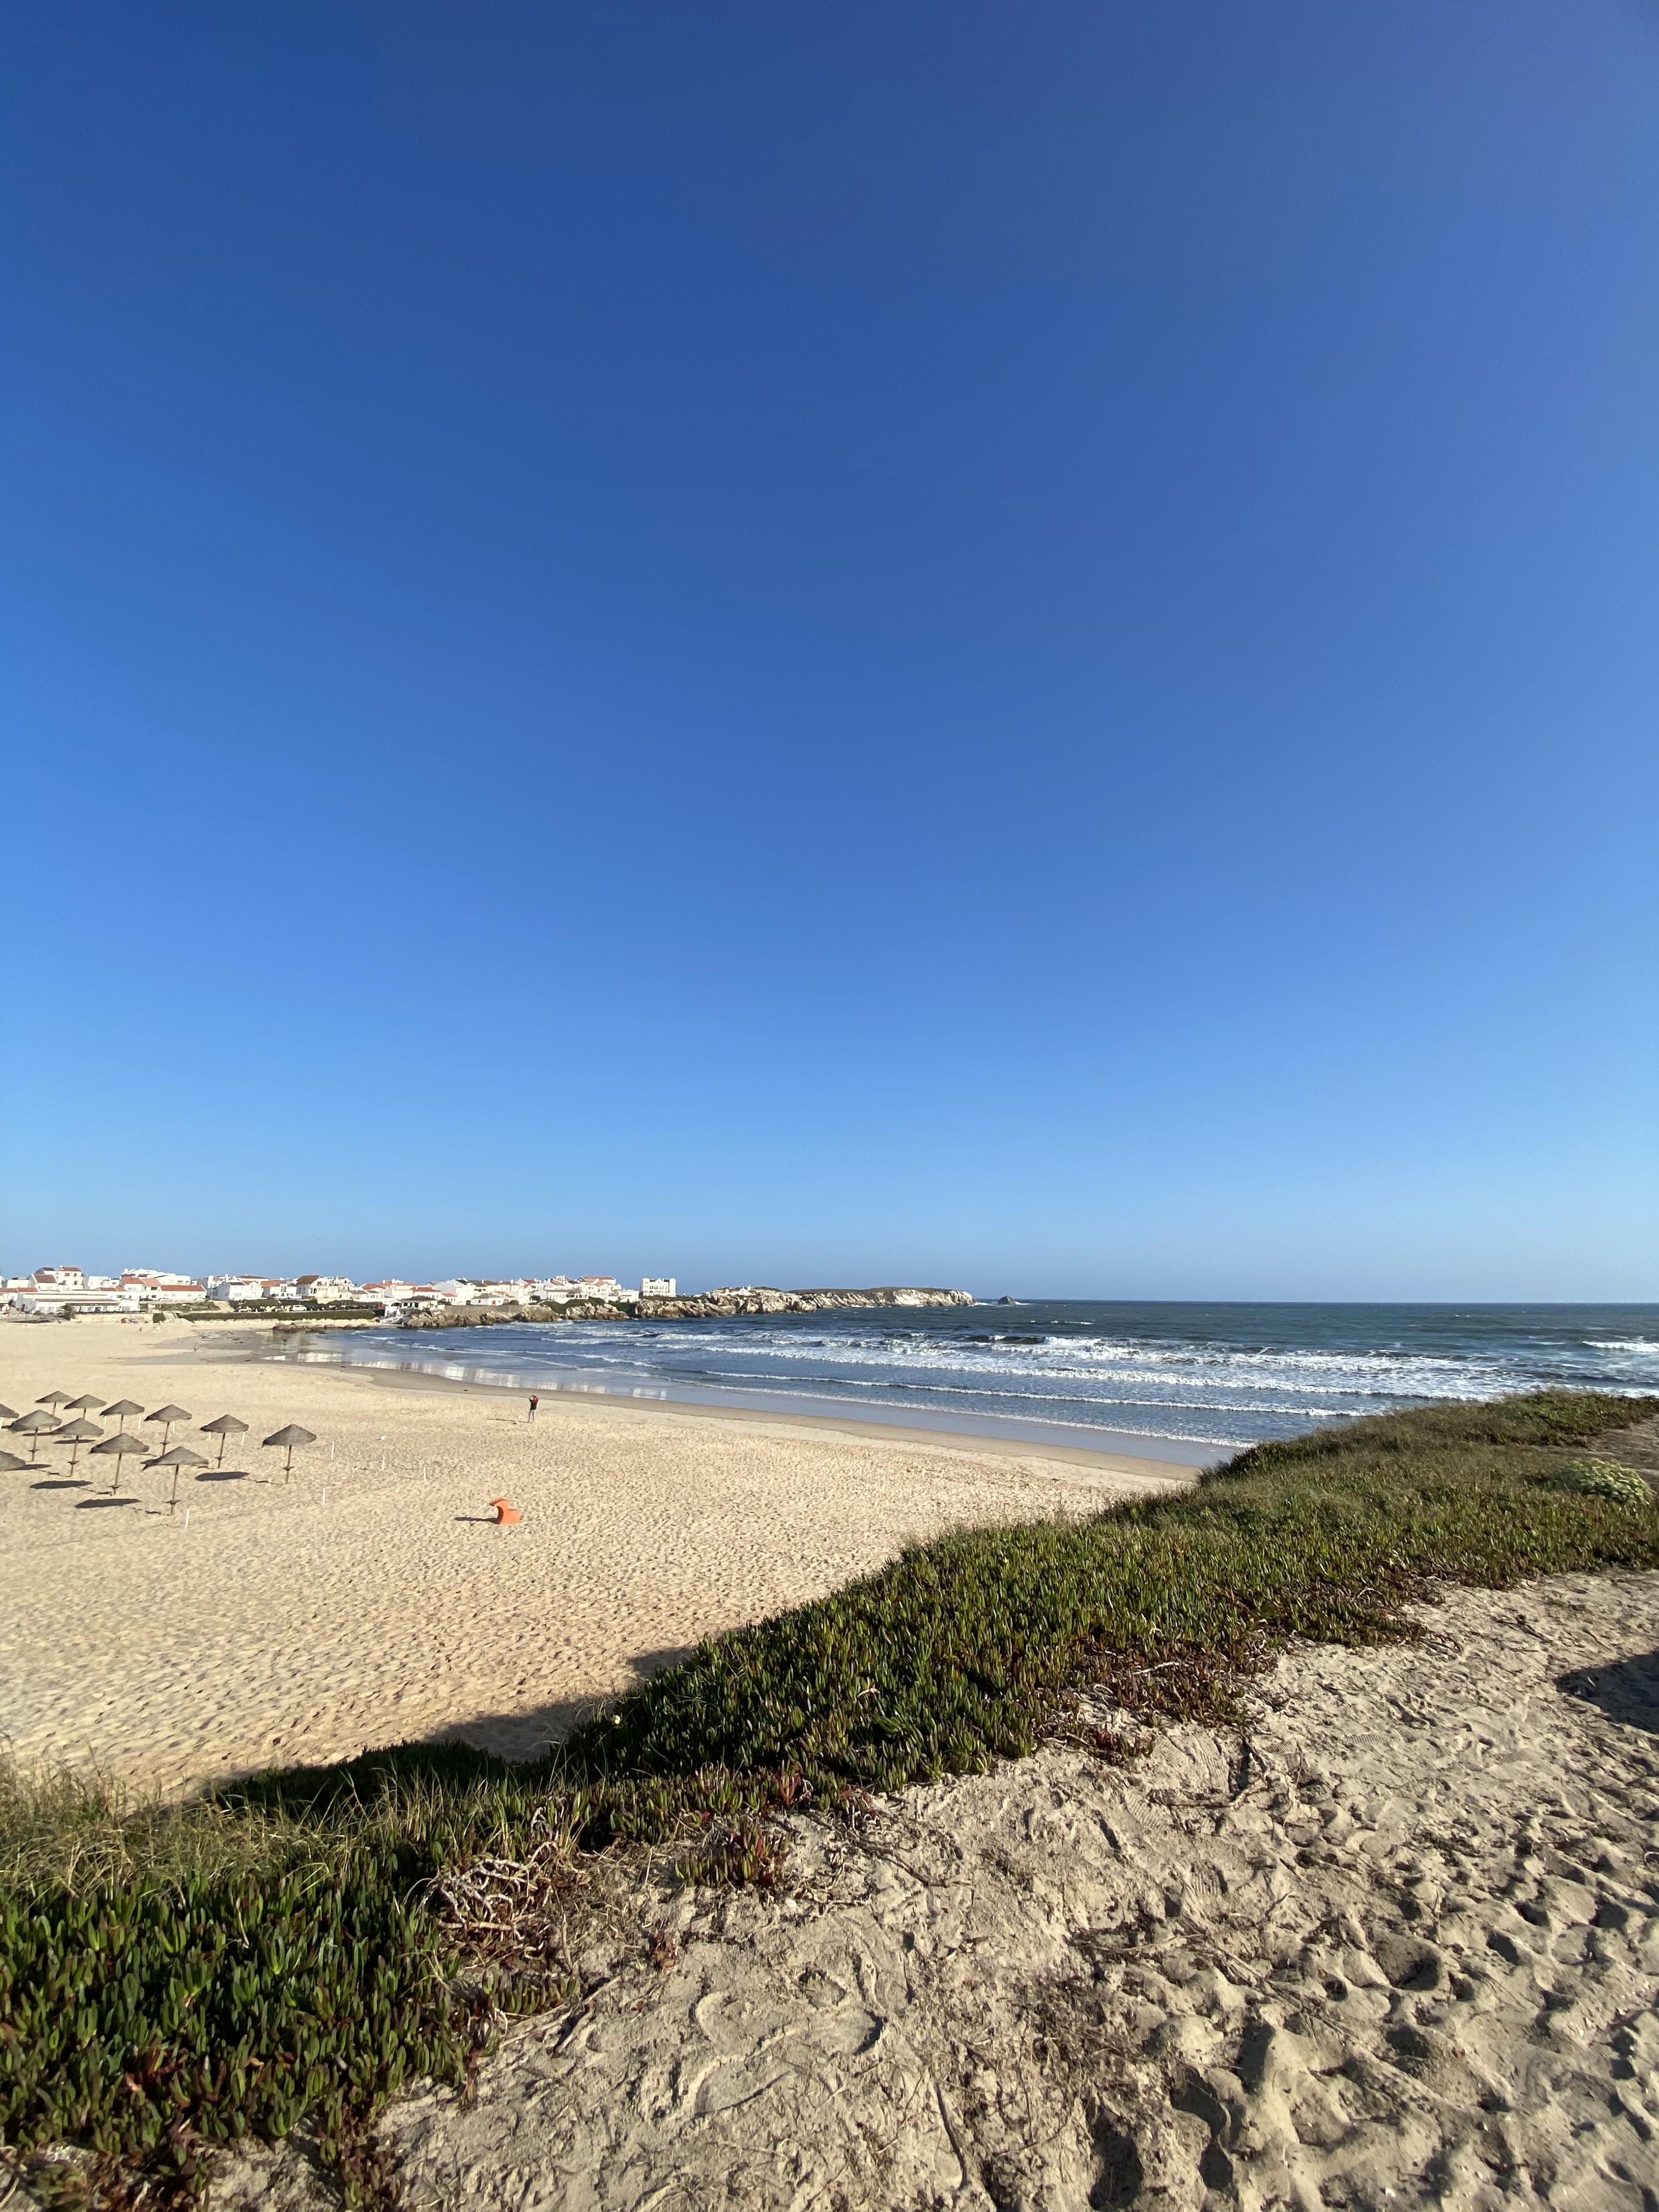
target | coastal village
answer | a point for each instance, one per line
(68, 1291)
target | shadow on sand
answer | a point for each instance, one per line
(445, 1761)
(1625, 1691)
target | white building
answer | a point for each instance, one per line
(562, 1290)
(657, 1286)
(396, 1297)
(56, 1299)
(149, 1288)
(482, 1291)
(67, 1290)
(57, 1290)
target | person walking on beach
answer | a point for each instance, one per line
(533, 1403)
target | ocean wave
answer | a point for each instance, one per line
(1081, 1368)
(935, 1349)
(1089, 1389)
(1087, 1369)
(1348, 1378)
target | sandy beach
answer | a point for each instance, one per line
(373, 1600)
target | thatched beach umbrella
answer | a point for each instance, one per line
(8, 1412)
(77, 1433)
(168, 1416)
(121, 1411)
(118, 1445)
(87, 1402)
(54, 1399)
(289, 1438)
(11, 1464)
(224, 1428)
(180, 1455)
(33, 1426)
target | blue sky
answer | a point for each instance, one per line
(1011, 646)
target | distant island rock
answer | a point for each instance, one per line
(707, 1305)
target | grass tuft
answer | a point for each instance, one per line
(299, 1948)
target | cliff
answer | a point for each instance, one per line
(709, 1305)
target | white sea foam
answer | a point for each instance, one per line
(1071, 1369)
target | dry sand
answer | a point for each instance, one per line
(373, 1601)
(1397, 1947)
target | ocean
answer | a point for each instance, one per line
(1181, 1382)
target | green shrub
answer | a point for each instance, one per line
(142, 2022)
(1604, 1478)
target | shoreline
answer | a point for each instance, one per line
(1162, 1459)
(374, 1599)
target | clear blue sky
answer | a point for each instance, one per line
(1008, 645)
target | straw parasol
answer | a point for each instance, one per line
(11, 1464)
(168, 1416)
(77, 1433)
(33, 1426)
(290, 1438)
(119, 1444)
(180, 1455)
(86, 1403)
(121, 1411)
(224, 1428)
(54, 1399)
(8, 1412)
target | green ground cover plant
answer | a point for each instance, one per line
(295, 1950)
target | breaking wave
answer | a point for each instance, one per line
(1208, 1374)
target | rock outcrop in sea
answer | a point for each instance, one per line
(706, 1305)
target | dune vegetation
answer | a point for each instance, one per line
(299, 1948)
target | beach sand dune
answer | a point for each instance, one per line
(1396, 1946)
(373, 1600)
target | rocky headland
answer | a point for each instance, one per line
(706, 1305)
